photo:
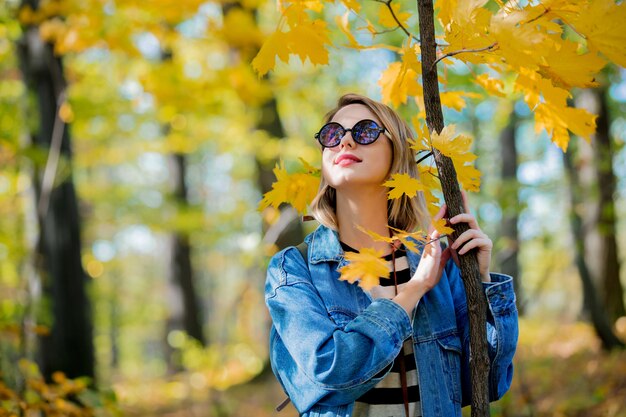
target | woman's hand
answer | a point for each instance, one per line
(470, 239)
(429, 270)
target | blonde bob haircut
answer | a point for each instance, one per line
(405, 213)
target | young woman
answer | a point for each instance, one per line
(401, 348)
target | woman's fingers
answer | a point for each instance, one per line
(465, 237)
(476, 243)
(465, 218)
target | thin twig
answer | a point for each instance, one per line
(381, 32)
(449, 54)
(400, 25)
(424, 157)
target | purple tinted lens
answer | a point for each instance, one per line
(365, 132)
(331, 134)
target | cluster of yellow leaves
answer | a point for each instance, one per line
(51, 399)
(530, 41)
(297, 189)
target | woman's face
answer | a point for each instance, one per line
(350, 163)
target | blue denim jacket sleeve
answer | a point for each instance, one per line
(502, 331)
(319, 348)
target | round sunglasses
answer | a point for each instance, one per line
(364, 132)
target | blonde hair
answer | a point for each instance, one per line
(406, 213)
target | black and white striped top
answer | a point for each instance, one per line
(385, 399)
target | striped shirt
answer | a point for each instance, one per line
(385, 399)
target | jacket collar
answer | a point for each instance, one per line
(325, 246)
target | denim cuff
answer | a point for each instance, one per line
(500, 293)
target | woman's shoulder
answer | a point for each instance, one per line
(286, 267)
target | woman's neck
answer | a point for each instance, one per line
(366, 208)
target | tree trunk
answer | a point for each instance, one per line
(182, 272)
(476, 300)
(69, 345)
(509, 202)
(597, 314)
(610, 286)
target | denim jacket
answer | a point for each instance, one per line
(330, 342)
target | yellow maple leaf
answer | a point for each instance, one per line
(566, 67)
(343, 24)
(428, 177)
(602, 24)
(468, 176)
(274, 46)
(306, 38)
(366, 267)
(409, 239)
(403, 184)
(442, 228)
(493, 86)
(309, 41)
(557, 120)
(386, 19)
(375, 236)
(297, 189)
(453, 99)
(467, 27)
(395, 84)
(455, 147)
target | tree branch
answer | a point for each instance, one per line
(449, 54)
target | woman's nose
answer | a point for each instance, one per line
(347, 140)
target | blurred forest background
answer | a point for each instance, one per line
(135, 145)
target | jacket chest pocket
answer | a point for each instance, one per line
(450, 350)
(341, 317)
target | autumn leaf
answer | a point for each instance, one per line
(366, 267)
(297, 189)
(428, 177)
(492, 86)
(403, 184)
(442, 228)
(305, 38)
(468, 176)
(455, 147)
(274, 46)
(602, 24)
(409, 239)
(375, 236)
(400, 79)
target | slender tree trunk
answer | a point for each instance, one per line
(509, 201)
(611, 290)
(476, 300)
(184, 304)
(69, 346)
(182, 271)
(597, 314)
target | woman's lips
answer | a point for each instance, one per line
(346, 159)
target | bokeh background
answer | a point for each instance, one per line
(135, 145)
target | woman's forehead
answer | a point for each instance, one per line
(353, 113)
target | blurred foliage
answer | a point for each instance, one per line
(60, 397)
